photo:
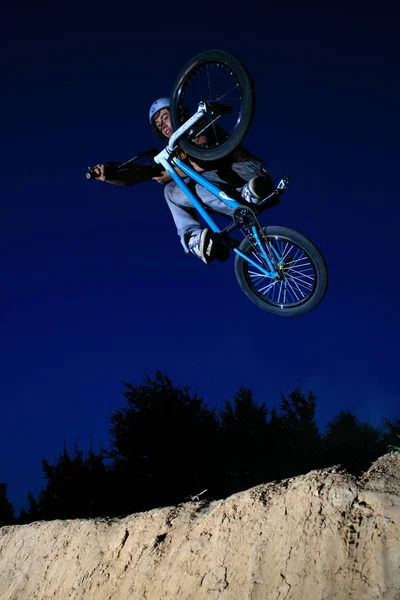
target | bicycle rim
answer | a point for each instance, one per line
(299, 279)
(222, 81)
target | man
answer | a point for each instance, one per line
(241, 174)
(232, 172)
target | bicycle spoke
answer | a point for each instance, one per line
(298, 284)
(218, 98)
(293, 291)
(212, 82)
(297, 280)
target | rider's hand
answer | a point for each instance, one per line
(196, 166)
(163, 178)
(100, 172)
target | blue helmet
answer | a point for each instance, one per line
(158, 105)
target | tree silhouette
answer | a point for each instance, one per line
(244, 442)
(76, 488)
(162, 445)
(167, 446)
(390, 434)
(32, 513)
(296, 436)
(353, 444)
(6, 508)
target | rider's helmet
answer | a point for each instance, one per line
(156, 106)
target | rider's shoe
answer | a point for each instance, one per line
(256, 189)
(201, 244)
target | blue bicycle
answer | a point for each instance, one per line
(279, 269)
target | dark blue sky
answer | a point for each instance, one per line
(96, 289)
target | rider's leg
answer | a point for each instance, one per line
(195, 239)
(248, 170)
(182, 210)
(185, 215)
(251, 171)
(260, 183)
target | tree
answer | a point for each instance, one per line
(162, 446)
(351, 443)
(32, 513)
(296, 436)
(166, 446)
(244, 442)
(390, 435)
(76, 487)
(6, 508)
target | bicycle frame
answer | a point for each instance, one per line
(168, 159)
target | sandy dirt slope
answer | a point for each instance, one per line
(320, 536)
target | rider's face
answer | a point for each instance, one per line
(162, 121)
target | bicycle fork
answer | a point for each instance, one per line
(268, 255)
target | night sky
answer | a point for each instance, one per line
(96, 289)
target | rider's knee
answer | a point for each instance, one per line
(168, 190)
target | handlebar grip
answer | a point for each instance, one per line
(92, 175)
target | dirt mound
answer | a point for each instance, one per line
(320, 536)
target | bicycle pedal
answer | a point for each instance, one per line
(221, 252)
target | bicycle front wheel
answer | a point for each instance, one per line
(302, 280)
(220, 79)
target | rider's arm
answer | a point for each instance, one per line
(129, 174)
(109, 174)
(165, 176)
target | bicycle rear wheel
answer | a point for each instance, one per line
(220, 79)
(303, 276)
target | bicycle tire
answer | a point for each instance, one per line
(207, 65)
(268, 294)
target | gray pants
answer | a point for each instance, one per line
(183, 211)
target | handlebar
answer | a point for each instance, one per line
(92, 175)
(150, 154)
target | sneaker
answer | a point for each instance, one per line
(201, 244)
(256, 189)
